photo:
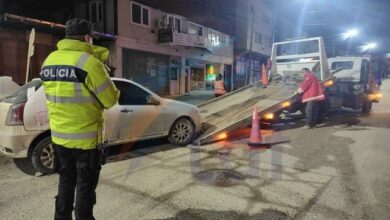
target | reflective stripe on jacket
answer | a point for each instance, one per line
(77, 88)
(311, 89)
(219, 87)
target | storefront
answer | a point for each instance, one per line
(202, 75)
(242, 67)
(148, 69)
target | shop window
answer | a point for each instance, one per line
(197, 79)
(140, 14)
(211, 72)
(95, 11)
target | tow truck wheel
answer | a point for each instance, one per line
(182, 132)
(302, 108)
(42, 156)
(366, 107)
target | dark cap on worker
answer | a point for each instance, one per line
(78, 27)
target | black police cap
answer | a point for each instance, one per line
(78, 26)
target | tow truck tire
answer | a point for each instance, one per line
(182, 132)
(366, 107)
(42, 156)
(302, 108)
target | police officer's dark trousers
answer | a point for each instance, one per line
(79, 171)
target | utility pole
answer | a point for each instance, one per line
(273, 5)
(251, 46)
(30, 52)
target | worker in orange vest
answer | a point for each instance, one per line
(219, 86)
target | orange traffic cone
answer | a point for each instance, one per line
(264, 76)
(255, 139)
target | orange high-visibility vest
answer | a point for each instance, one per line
(219, 87)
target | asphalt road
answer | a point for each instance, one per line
(339, 171)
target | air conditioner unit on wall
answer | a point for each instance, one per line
(163, 22)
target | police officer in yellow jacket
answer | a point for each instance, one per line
(78, 89)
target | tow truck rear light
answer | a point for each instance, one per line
(371, 97)
(328, 83)
(269, 116)
(222, 136)
(15, 115)
(374, 97)
(285, 104)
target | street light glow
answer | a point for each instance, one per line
(368, 46)
(371, 45)
(349, 34)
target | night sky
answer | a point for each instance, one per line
(329, 18)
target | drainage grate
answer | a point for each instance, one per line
(219, 177)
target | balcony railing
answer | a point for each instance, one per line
(183, 39)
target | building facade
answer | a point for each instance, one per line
(171, 47)
(168, 53)
(245, 20)
(18, 17)
(254, 31)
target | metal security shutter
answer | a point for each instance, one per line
(148, 69)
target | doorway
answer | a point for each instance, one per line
(227, 75)
(187, 80)
(197, 79)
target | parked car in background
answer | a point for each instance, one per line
(139, 115)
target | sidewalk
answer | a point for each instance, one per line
(194, 97)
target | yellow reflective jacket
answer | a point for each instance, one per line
(78, 89)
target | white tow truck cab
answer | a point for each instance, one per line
(355, 83)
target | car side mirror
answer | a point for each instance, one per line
(151, 100)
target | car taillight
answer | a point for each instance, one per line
(15, 115)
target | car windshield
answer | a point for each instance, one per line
(20, 95)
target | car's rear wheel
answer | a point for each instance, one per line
(42, 156)
(182, 132)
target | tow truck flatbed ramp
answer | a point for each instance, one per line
(234, 110)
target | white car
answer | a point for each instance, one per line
(7, 86)
(139, 115)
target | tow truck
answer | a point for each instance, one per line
(355, 84)
(234, 110)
